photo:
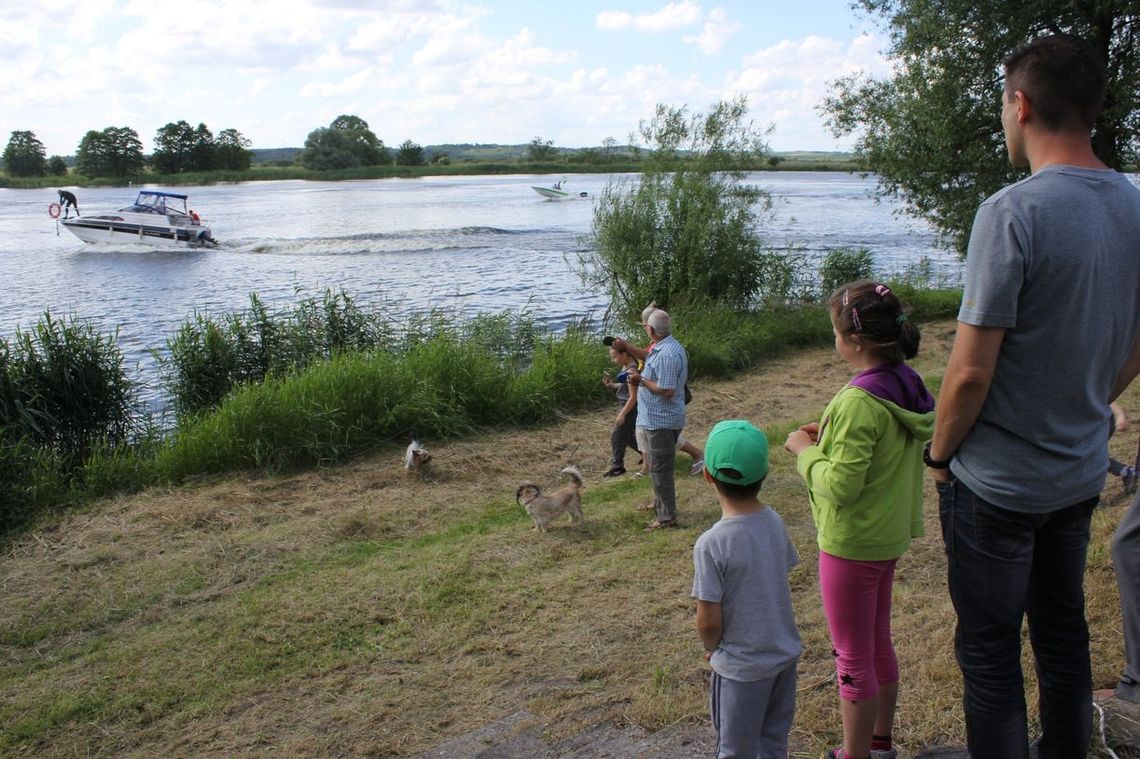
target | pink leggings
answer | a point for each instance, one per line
(857, 601)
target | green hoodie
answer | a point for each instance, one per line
(864, 476)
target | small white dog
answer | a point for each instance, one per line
(416, 455)
(544, 509)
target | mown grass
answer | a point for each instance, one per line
(359, 611)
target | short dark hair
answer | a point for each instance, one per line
(1063, 79)
(738, 492)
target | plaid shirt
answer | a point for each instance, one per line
(668, 365)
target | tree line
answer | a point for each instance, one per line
(118, 152)
(346, 143)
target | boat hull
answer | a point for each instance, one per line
(550, 193)
(124, 231)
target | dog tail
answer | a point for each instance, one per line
(575, 474)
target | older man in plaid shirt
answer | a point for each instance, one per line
(661, 411)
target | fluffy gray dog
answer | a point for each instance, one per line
(544, 509)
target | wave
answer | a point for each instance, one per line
(403, 242)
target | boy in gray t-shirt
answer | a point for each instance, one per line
(744, 604)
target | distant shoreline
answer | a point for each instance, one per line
(271, 171)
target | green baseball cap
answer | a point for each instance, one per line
(735, 444)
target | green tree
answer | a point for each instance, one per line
(232, 150)
(113, 152)
(932, 132)
(685, 231)
(173, 148)
(609, 148)
(57, 166)
(540, 149)
(410, 154)
(203, 154)
(25, 155)
(346, 143)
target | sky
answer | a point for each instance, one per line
(430, 71)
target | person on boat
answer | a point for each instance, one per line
(558, 185)
(68, 201)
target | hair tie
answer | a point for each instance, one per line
(900, 318)
(855, 319)
(882, 291)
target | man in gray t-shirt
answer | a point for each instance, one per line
(1048, 335)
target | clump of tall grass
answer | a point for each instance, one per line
(842, 265)
(209, 356)
(63, 394)
(444, 385)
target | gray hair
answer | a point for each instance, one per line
(647, 311)
(660, 322)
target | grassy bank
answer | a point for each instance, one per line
(327, 382)
(357, 611)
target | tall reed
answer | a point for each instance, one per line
(63, 393)
(209, 356)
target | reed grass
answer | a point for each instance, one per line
(63, 394)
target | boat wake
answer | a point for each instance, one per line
(396, 243)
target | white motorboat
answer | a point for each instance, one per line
(156, 218)
(558, 192)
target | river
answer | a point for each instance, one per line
(467, 244)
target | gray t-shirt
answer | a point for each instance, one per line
(1055, 260)
(742, 563)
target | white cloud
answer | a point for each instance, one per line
(786, 83)
(429, 70)
(718, 28)
(672, 16)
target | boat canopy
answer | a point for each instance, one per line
(156, 201)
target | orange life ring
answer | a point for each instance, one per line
(53, 210)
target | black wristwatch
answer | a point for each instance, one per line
(932, 463)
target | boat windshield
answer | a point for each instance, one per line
(158, 202)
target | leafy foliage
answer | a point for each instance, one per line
(173, 146)
(25, 155)
(844, 265)
(178, 147)
(685, 230)
(932, 131)
(231, 151)
(57, 166)
(113, 152)
(346, 143)
(410, 154)
(540, 149)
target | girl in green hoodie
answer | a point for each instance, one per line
(863, 467)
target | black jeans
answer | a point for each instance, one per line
(623, 436)
(1003, 565)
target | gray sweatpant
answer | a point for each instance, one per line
(752, 720)
(1126, 558)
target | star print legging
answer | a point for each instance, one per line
(857, 601)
